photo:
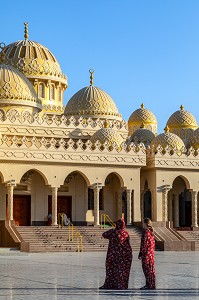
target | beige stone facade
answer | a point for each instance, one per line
(84, 159)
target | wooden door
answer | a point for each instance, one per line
(21, 209)
(64, 204)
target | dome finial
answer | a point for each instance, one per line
(181, 107)
(166, 129)
(91, 76)
(26, 30)
(106, 124)
(2, 54)
(142, 105)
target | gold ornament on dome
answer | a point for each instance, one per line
(91, 101)
(142, 115)
(182, 119)
(33, 60)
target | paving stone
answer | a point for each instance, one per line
(77, 276)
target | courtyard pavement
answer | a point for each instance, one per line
(78, 275)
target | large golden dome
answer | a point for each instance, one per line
(168, 139)
(91, 102)
(182, 119)
(16, 89)
(33, 60)
(142, 135)
(41, 67)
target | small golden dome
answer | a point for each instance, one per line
(91, 102)
(142, 135)
(142, 115)
(194, 140)
(16, 89)
(108, 135)
(168, 139)
(182, 119)
(34, 61)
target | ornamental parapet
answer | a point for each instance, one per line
(62, 150)
(12, 117)
(172, 158)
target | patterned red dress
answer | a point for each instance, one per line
(147, 249)
(119, 257)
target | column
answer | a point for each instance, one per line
(96, 190)
(128, 200)
(119, 203)
(165, 204)
(54, 205)
(194, 203)
(176, 210)
(10, 189)
(142, 204)
(170, 207)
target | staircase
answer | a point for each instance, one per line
(168, 239)
(192, 236)
(94, 236)
(53, 239)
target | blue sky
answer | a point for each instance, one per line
(141, 50)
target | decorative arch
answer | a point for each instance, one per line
(187, 183)
(118, 176)
(82, 174)
(37, 171)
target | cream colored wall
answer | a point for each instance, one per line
(39, 199)
(47, 176)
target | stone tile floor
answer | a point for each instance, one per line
(77, 276)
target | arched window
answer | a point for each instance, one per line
(52, 92)
(41, 90)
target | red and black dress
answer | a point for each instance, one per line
(147, 249)
(119, 257)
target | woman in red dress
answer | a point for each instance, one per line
(146, 254)
(119, 257)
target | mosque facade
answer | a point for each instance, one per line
(83, 158)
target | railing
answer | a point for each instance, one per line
(74, 234)
(105, 219)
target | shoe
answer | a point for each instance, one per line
(145, 287)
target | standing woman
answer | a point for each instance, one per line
(146, 254)
(119, 257)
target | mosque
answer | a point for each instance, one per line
(83, 158)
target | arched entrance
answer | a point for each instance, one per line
(114, 200)
(180, 205)
(28, 198)
(147, 202)
(72, 198)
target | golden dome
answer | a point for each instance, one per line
(182, 119)
(16, 89)
(108, 135)
(142, 135)
(194, 141)
(91, 102)
(142, 115)
(168, 139)
(33, 60)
